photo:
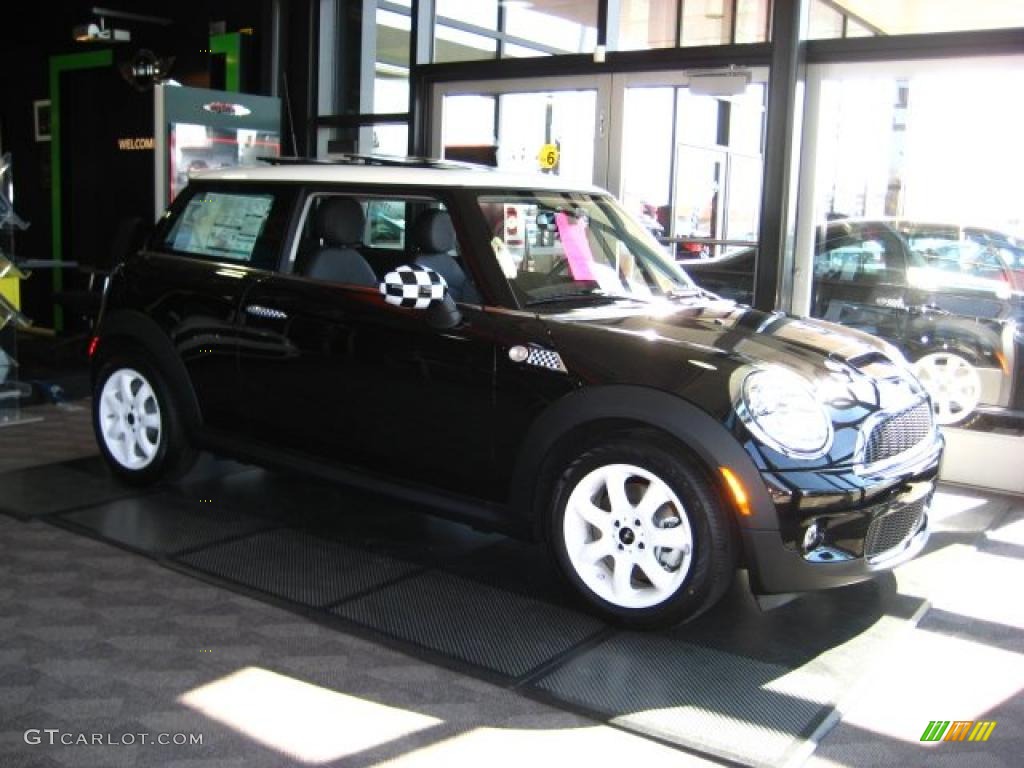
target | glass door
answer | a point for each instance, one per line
(547, 125)
(689, 164)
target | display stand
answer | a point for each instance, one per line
(12, 390)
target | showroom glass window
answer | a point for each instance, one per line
(830, 20)
(485, 29)
(930, 261)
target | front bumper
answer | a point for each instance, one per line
(874, 524)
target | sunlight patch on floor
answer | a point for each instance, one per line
(935, 677)
(303, 721)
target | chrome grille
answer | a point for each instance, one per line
(891, 530)
(900, 432)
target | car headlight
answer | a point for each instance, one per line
(781, 410)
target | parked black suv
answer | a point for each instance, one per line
(946, 296)
(572, 385)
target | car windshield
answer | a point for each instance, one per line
(563, 247)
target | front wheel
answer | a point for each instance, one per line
(137, 424)
(954, 385)
(640, 533)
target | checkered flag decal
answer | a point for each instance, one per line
(413, 287)
(545, 358)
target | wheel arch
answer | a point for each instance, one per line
(584, 416)
(977, 341)
(127, 329)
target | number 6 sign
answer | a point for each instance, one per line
(548, 156)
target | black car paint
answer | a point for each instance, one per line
(348, 386)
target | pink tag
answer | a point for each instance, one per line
(577, 249)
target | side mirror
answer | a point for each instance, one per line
(415, 287)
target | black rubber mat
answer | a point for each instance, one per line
(162, 524)
(517, 566)
(697, 697)
(297, 567)
(796, 633)
(43, 490)
(359, 519)
(255, 492)
(471, 622)
(737, 683)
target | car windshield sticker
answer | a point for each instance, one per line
(577, 249)
(222, 225)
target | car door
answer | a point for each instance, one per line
(860, 279)
(332, 371)
(217, 241)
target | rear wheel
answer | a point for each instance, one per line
(640, 533)
(137, 423)
(953, 384)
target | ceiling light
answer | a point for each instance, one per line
(99, 33)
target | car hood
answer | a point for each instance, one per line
(723, 329)
(693, 349)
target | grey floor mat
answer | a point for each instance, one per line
(43, 490)
(471, 622)
(737, 683)
(297, 566)
(162, 524)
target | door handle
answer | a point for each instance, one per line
(258, 310)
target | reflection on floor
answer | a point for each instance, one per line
(46, 434)
(739, 684)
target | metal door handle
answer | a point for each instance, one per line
(258, 310)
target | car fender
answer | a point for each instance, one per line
(976, 340)
(698, 431)
(132, 326)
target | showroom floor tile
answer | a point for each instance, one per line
(739, 684)
(260, 685)
(45, 434)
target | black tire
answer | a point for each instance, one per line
(173, 455)
(713, 555)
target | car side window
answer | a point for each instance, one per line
(385, 224)
(232, 225)
(386, 232)
(967, 258)
(852, 260)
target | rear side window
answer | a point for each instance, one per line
(851, 260)
(237, 226)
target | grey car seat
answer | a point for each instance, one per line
(433, 237)
(339, 223)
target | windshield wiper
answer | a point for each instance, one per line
(593, 293)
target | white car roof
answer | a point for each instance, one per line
(483, 178)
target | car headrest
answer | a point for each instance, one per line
(433, 232)
(340, 221)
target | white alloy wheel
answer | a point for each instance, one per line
(952, 382)
(627, 536)
(129, 419)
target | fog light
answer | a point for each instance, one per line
(812, 537)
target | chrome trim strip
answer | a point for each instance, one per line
(258, 310)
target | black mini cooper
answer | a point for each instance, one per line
(519, 353)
